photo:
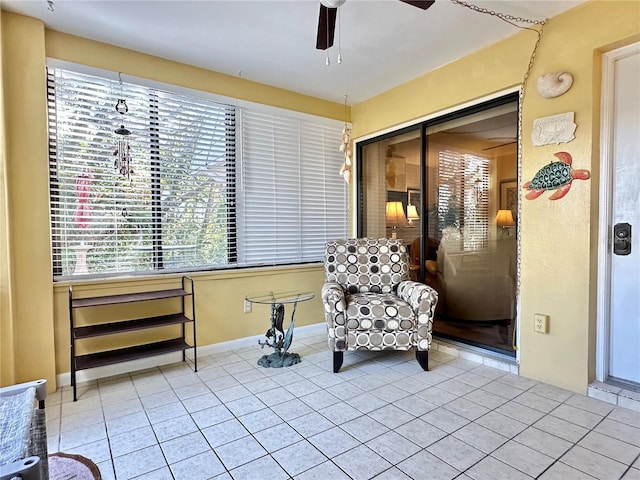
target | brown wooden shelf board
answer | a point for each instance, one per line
(128, 298)
(110, 357)
(109, 328)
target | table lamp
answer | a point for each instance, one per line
(412, 213)
(504, 219)
(395, 217)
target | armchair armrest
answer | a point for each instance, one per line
(335, 305)
(422, 299)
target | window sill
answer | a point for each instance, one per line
(160, 280)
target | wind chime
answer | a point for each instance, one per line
(122, 152)
(345, 147)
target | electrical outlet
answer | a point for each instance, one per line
(247, 306)
(540, 323)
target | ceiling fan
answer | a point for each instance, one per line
(511, 140)
(327, 19)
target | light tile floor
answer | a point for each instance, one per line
(381, 417)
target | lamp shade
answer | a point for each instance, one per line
(412, 213)
(395, 214)
(504, 218)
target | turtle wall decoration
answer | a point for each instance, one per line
(555, 176)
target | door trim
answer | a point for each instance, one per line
(514, 95)
(605, 212)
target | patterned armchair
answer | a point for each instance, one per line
(371, 304)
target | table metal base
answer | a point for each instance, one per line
(277, 360)
(276, 337)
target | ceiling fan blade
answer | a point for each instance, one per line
(423, 4)
(498, 146)
(326, 27)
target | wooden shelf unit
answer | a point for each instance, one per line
(110, 357)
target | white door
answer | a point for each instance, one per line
(624, 221)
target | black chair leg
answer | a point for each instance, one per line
(338, 357)
(423, 359)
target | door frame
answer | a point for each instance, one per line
(606, 206)
(421, 122)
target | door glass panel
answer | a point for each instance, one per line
(462, 232)
(392, 171)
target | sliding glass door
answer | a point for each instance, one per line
(447, 187)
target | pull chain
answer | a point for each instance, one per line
(521, 95)
(339, 31)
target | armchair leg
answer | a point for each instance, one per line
(423, 359)
(338, 357)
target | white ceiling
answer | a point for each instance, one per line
(383, 43)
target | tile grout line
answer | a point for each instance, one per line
(630, 466)
(386, 368)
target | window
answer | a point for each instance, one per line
(290, 200)
(194, 200)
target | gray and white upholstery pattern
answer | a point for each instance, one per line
(369, 301)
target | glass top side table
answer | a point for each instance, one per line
(277, 338)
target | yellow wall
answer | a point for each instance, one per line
(7, 370)
(555, 275)
(31, 294)
(100, 55)
(219, 306)
(559, 245)
(35, 327)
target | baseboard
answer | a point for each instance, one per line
(64, 379)
(477, 355)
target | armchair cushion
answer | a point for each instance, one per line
(379, 311)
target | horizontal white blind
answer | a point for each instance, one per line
(180, 209)
(292, 199)
(375, 195)
(176, 212)
(463, 200)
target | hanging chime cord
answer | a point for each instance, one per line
(515, 21)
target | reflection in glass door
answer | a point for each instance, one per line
(447, 187)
